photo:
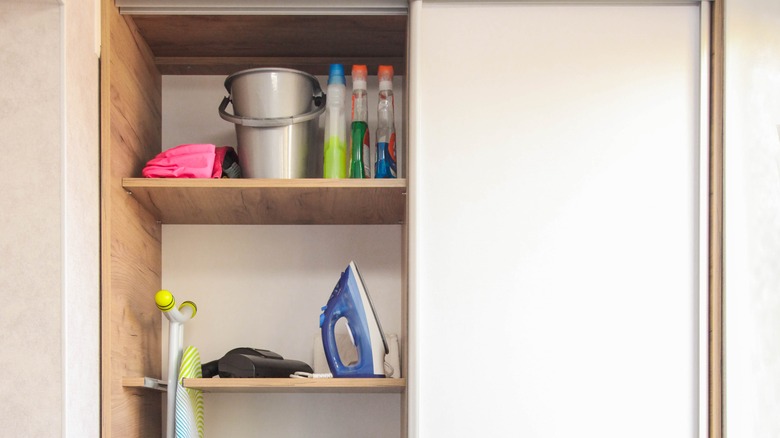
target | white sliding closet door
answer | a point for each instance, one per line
(555, 220)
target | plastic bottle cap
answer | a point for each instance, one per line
(336, 75)
(359, 75)
(385, 75)
(360, 70)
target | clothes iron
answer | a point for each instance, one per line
(350, 300)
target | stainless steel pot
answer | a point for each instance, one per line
(276, 116)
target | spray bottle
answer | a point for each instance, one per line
(359, 166)
(335, 151)
(385, 166)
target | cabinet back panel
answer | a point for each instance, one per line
(262, 286)
(190, 111)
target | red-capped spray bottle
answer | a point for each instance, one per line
(360, 139)
(385, 166)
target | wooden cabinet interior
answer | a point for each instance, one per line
(136, 51)
(130, 237)
(223, 44)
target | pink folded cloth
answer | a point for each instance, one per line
(188, 161)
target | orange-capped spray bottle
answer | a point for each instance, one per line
(385, 166)
(360, 139)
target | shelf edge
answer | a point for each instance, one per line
(145, 383)
(290, 385)
(244, 183)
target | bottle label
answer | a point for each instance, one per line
(385, 158)
(391, 150)
(366, 156)
(335, 158)
(358, 166)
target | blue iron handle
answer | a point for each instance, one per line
(329, 342)
(364, 365)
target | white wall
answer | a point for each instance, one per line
(752, 219)
(30, 119)
(49, 238)
(555, 220)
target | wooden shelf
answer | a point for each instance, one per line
(271, 201)
(145, 382)
(283, 385)
(298, 385)
(224, 44)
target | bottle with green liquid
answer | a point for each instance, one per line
(335, 151)
(360, 139)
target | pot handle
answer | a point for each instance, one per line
(274, 122)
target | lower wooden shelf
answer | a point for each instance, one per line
(297, 385)
(284, 385)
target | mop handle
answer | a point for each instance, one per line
(167, 304)
(176, 317)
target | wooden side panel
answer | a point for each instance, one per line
(130, 241)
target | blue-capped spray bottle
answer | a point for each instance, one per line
(335, 150)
